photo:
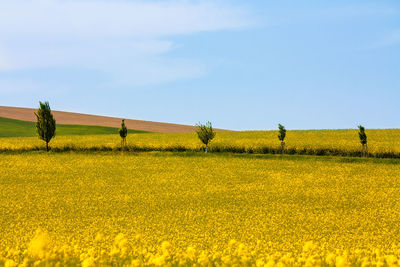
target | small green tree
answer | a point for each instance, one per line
(205, 133)
(363, 140)
(123, 132)
(45, 123)
(281, 137)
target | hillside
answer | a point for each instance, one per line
(27, 114)
(18, 128)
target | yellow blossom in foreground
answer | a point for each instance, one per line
(39, 245)
(168, 209)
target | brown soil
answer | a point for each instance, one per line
(27, 114)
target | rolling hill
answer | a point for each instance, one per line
(70, 118)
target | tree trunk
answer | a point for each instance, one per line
(363, 151)
(47, 146)
(205, 149)
(282, 147)
(122, 144)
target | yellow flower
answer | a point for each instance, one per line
(39, 244)
(165, 246)
(88, 262)
(158, 261)
(10, 263)
(260, 263)
(99, 237)
(203, 258)
(309, 246)
(136, 262)
(270, 263)
(120, 240)
(330, 259)
(341, 261)
(191, 253)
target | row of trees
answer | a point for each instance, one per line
(206, 134)
(46, 128)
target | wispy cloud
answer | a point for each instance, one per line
(101, 18)
(126, 39)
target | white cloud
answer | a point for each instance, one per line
(126, 39)
(89, 19)
(91, 54)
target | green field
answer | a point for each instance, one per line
(18, 128)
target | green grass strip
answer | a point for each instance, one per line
(19, 128)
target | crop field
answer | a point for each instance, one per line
(381, 143)
(159, 208)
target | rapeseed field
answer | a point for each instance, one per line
(381, 143)
(159, 208)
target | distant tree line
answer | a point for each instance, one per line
(46, 129)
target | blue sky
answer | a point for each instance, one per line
(240, 64)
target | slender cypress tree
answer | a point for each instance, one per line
(45, 123)
(363, 139)
(281, 137)
(205, 133)
(123, 132)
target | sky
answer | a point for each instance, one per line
(243, 65)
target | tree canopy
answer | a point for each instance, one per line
(45, 123)
(205, 132)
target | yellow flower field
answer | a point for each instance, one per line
(329, 142)
(108, 208)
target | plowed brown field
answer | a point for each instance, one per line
(27, 114)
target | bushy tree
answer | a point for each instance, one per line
(123, 132)
(281, 137)
(205, 133)
(45, 123)
(363, 139)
